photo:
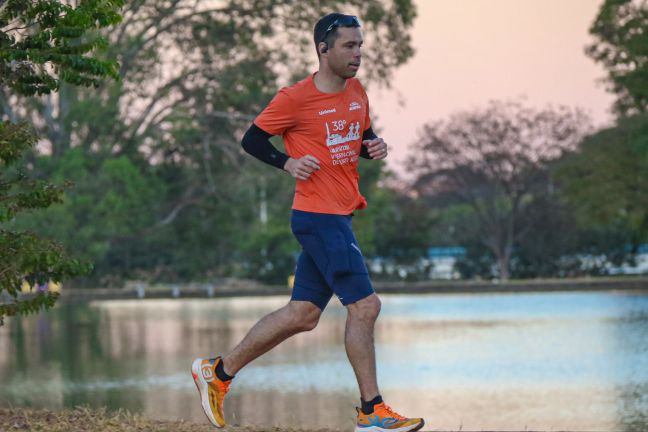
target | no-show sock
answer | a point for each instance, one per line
(220, 372)
(368, 407)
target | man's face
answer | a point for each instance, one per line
(345, 54)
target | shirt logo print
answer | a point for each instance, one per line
(335, 139)
(354, 106)
(327, 111)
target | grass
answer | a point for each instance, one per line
(82, 419)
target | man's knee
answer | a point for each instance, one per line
(366, 309)
(304, 316)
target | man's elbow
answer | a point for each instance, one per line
(246, 141)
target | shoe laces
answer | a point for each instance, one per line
(387, 409)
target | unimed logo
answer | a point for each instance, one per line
(327, 111)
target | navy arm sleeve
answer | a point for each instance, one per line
(256, 142)
(366, 135)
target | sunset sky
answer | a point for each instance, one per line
(471, 51)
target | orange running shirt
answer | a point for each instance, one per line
(328, 126)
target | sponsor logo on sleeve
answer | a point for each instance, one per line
(354, 106)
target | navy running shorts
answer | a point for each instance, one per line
(331, 261)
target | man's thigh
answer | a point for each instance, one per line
(332, 253)
(309, 283)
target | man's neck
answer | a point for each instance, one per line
(328, 82)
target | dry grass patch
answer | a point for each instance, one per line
(83, 419)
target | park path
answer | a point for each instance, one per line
(84, 419)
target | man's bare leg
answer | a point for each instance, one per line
(374, 414)
(359, 344)
(270, 331)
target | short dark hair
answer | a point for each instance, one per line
(321, 33)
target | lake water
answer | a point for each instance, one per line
(544, 361)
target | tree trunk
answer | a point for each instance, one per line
(502, 256)
(503, 267)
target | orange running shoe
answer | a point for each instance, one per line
(383, 419)
(212, 390)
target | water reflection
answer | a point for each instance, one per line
(571, 361)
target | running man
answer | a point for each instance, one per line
(324, 121)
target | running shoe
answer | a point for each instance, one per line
(212, 390)
(383, 419)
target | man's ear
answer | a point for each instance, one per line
(322, 47)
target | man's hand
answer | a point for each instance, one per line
(377, 148)
(303, 167)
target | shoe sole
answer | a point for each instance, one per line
(202, 386)
(412, 428)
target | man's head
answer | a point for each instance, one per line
(338, 40)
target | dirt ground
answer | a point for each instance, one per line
(84, 419)
(92, 420)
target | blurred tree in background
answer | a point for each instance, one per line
(605, 186)
(603, 183)
(581, 210)
(495, 161)
(621, 45)
(42, 45)
(164, 191)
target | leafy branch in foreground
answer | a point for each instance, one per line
(23, 255)
(42, 43)
(45, 42)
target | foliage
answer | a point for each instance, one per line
(25, 256)
(110, 208)
(402, 226)
(47, 41)
(604, 185)
(495, 160)
(621, 45)
(551, 246)
(589, 214)
(42, 44)
(193, 75)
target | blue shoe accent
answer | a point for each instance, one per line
(376, 421)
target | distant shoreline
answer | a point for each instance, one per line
(248, 289)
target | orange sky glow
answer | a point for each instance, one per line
(469, 52)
